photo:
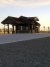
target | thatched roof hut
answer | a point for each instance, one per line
(21, 21)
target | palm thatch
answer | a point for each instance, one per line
(20, 20)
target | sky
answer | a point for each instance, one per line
(28, 8)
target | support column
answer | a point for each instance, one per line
(13, 29)
(34, 27)
(8, 28)
(16, 28)
(27, 28)
(4, 28)
(31, 28)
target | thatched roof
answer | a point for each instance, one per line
(10, 20)
(20, 20)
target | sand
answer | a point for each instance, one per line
(30, 53)
(9, 38)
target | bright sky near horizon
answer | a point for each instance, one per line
(16, 8)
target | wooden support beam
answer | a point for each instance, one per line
(31, 28)
(38, 29)
(34, 27)
(16, 28)
(8, 28)
(4, 28)
(13, 29)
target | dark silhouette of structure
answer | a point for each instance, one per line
(22, 24)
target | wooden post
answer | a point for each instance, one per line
(13, 29)
(4, 28)
(8, 28)
(34, 27)
(16, 28)
(38, 29)
(31, 28)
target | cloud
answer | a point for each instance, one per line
(25, 3)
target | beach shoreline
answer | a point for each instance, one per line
(10, 38)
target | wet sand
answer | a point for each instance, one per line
(30, 53)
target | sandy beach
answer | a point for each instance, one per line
(30, 53)
(10, 38)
